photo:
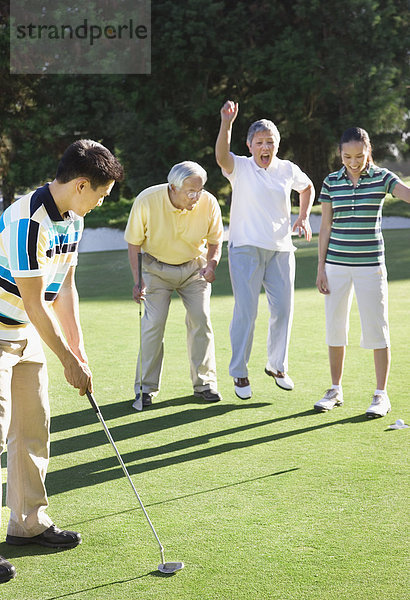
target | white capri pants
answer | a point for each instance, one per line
(370, 286)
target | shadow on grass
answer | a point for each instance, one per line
(99, 587)
(150, 459)
(32, 550)
(159, 574)
(29, 550)
(182, 497)
(115, 410)
(21, 551)
(135, 428)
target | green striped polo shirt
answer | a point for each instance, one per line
(356, 236)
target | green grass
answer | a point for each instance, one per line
(260, 499)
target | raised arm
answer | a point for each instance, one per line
(224, 158)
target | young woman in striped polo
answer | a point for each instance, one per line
(351, 257)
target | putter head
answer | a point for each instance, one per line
(137, 404)
(170, 567)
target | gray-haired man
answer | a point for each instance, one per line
(260, 244)
(178, 228)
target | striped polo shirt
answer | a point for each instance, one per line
(35, 241)
(356, 236)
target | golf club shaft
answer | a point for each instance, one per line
(140, 318)
(124, 468)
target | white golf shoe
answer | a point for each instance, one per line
(330, 399)
(242, 388)
(281, 379)
(379, 407)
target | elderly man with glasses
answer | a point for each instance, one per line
(177, 226)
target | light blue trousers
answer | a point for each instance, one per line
(250, 268)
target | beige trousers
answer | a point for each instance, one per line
(24, 428)
(161, 280)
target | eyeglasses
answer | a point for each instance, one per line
(192, 195)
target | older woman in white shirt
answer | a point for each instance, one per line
(260, 244)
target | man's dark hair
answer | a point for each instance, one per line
(86, 158)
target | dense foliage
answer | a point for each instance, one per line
(312, 66)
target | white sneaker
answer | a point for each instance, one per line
(379, 407)
(281, 379)
(331, 399)
(242, 388)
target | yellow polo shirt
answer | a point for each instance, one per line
(170, 234)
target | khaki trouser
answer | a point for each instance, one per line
(161, 280)
(24, 427)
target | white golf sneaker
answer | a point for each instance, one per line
(379, 407)
(330, 399)
(242, 388)
(281, 379)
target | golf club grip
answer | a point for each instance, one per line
(92, 401)
(140, 270)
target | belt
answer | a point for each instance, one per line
(161, 262)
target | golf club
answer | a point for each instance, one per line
(164, 567)
(138, 403)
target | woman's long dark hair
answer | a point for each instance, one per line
(357, 134)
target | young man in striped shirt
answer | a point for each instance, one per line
(351, 256)
(39, 236)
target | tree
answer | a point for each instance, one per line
(16, 100)
(313, 67)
